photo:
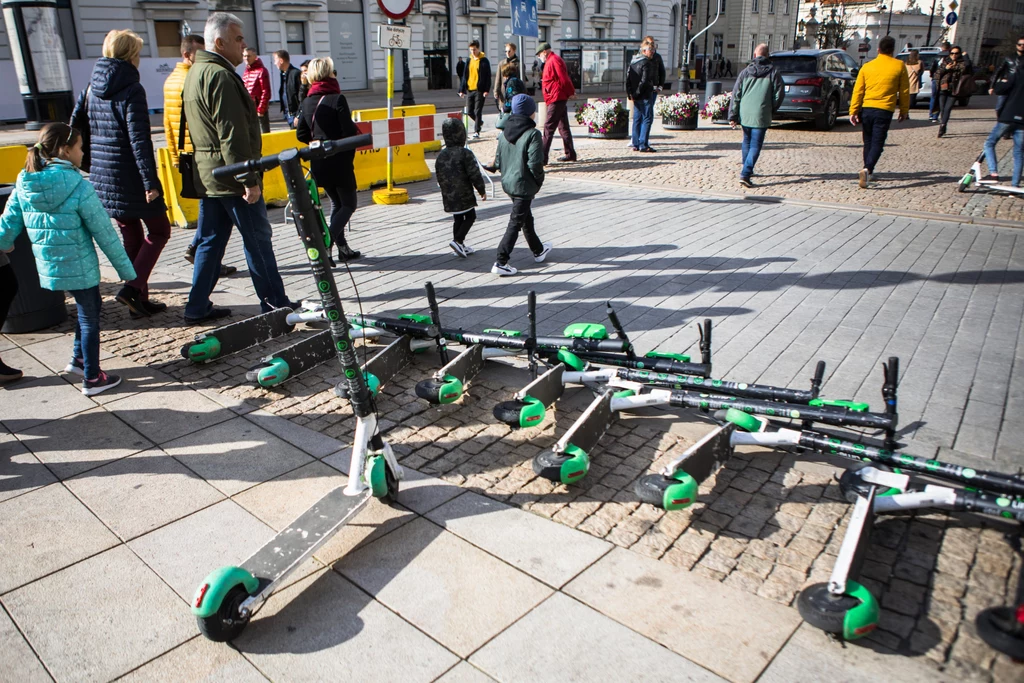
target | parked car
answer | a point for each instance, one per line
(819, 84)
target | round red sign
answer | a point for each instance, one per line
(396, 9)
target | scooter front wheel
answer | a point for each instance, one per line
(226, 623)
(850, 615)
(383, 482)
(1001, 629)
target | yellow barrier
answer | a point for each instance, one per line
(180, 211)
(410, 166)
(400, 112)
(275, 192)
(12, 160)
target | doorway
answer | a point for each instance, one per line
(437, 66)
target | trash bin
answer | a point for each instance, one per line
(713, 88)
(34, 308)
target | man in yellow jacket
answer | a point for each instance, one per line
(173, 86)
(882, 84)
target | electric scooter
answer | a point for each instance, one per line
(228, 597)
(974, 176)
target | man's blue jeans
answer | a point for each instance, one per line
(753, 141)
(990, 146)
(87, 330)
(217, 215)
(650, 116)
(641, 123)
(875, 129)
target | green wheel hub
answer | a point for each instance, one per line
(576, 467)
(273, 373)
(376, 475)
(372, 382)
(450, 391)
(215, 586)
(863, 618)
(681, 495)
(532, 414)
(205, 350)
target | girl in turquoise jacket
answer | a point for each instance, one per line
(63, 217)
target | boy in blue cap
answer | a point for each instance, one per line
(520, 159)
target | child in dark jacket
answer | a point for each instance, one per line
(458, 174)
(520, 159)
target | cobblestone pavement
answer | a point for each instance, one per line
(786, 286)
(918, 172)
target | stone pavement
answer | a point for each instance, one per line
(786, 285)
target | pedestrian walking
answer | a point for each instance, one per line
(460, 69)
(1006, 76)
(474, 85)
(123, 166)
(511, 59)
(288, 90)
(659, 75)
(882, 85)
(303, 82)
(914, 66)
(728, 68)
(458, 175)
(520, 160)
(222, 120)
(756, 97)
(64, 218)
(257, 83)
(954, 80)
(513, 86)
(557, 88)
(325, 115)
(1011, 87)
(933, 104)
(173, 86)
(639, 90)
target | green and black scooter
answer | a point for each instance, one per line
(228, 597)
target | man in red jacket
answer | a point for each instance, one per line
(557, 88)
(257, 82)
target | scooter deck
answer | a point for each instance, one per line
(591, 426)
(244, 333)
(465, 366)
(707, 456)
(385, 365)
(547, 388)
(283, 553)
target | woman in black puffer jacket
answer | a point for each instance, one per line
(122, 167)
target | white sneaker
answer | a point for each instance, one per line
(539, 258)
(75, 367)
(459, 249)
(502, 271)
(468, 249)
(475, 136)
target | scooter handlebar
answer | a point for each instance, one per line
(318, 149)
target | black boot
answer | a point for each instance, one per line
(942, 130)
(346, 253)
(132, 298)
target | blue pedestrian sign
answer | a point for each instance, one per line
(951, 18)
(524, 18)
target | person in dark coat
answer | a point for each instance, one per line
(122, 164)
(325, 116)
(460, 69)
(1011, 87)
(291, 84)
(458, 174)
(640, 89)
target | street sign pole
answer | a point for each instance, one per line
(400, 37)
(391, 110)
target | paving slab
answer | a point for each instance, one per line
(137, 494)
(6, 343)
(544, 549)
(29, 338)
(25, 404)
(564, 640)
(324, 628)
(20, 471)
(168, 413)
(452, 591)
(83, 442)
(810, 656)
(280, 501)
(46, 530)
(184, 552)
(135, 378)
(20, 664)
(687, 613)
(100, 618)
(316, 444)
(373, 521)
(29, 365)
(236, 455)
(422, 493)
(55, 354)
(197, 660)
(464, 672)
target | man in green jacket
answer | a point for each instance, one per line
(224, 128)
(756, 97)
(520, 159)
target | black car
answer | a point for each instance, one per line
(819, 84)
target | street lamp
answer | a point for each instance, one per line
(882, 8)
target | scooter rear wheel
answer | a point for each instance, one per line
(651, 488)
(823, 610)
(226, 624)
(999, 628)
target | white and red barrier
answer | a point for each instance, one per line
(409, 130)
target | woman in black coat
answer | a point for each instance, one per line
(121, 163)
(324, 115)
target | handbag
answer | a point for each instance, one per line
(186, 162)
(965, 87)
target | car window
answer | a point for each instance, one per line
(795, 64)
(835, 64)
(851, 63)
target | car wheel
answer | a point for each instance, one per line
(827, 120)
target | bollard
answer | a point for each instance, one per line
(713, 88)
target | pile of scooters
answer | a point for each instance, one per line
(799, 421)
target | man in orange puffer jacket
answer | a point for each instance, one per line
(173, 86)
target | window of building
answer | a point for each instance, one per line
(474, 3)
(691, 6)
(243, 9)
(597, 6)
(753, 43)
(570, 20)
(754, 6)
(295, 37)
(66, 24)
(542, 5)
(785, 6)
(543, 34)
(716, 45)
(599, 33)
(784, 43)
(168, 38)
(768, 42)
(478, 32)
(771, 6)
(636, 21)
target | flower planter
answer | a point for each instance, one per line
(604, 118)
(688, 123)
(619, 131)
